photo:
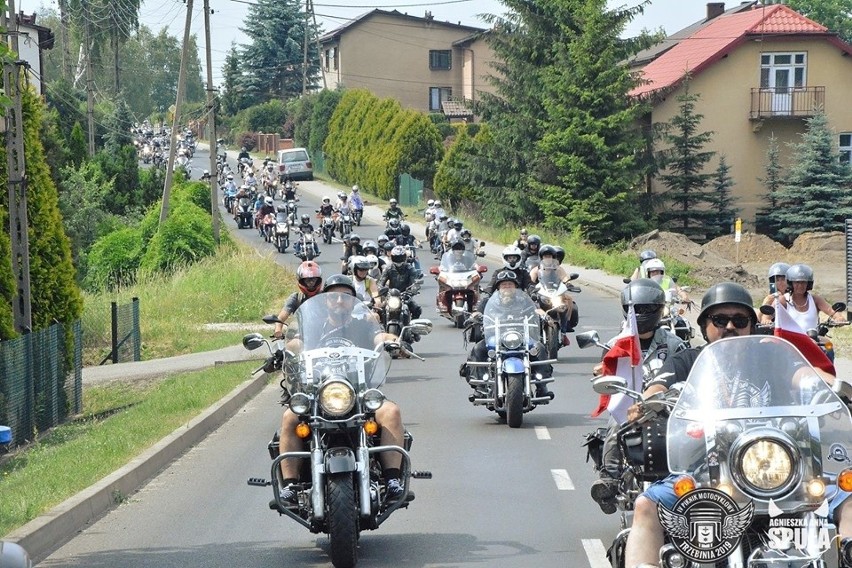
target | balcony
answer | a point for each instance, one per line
(786, 102)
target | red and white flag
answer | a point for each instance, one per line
(624, 359)
(787, 328)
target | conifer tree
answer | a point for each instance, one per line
(721, 202)
(817, 194)
(771, 181)
(688, 198)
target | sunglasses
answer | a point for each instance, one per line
(644, 309)
(721, 321)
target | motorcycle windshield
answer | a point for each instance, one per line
(758, 388)
(456, 261)
(510, 310)
(338, 336)
(549, 279)
(281, 218)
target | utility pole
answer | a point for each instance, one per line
(16, 174)
(319, 48)
(90, 95)
(305, 49)
(167, 187)
(211, 126)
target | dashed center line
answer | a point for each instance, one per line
(562, 479)
(596, 553)
(542, 433)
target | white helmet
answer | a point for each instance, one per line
(430, 203)
(512, 250)
(653, 264)
(355, 188)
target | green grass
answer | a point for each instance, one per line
(237, 285)
(76, 455)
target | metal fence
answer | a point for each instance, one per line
(410, 190)
(125, 338)
(41, 379)
(318, 163)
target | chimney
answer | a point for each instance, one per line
(715, 9)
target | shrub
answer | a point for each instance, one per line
(247, 139)
(113, 259)
(184, 238)
(195, 192)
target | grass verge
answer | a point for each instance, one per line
(236, 285)
(119, 421)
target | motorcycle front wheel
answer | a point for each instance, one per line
(514, 400)
(342, 517)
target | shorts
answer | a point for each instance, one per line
(662, 491)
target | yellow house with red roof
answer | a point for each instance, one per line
(760, 70)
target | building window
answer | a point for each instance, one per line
(334, 58)
(846, 148)
(440, 59)
(330, 58)
(782, 71)
(437, 95)
(326, 63)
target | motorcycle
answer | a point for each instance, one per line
(820, 334)
(306, 248)
(357, 215)
(510, 379)
(396, 315)
(244, 213)
(673, 318)
(293, 211)
(326, 226)
(244, 166)
(458, 286)
(282, 231)
(550, 296)
(344, 222)
(757, 440)
(334, 384)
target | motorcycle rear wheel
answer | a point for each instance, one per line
(514, 400)
(342, 517)
(458, 321)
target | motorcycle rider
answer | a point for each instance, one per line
(388, 416)
(531, 258)
(366, 287)
(777, 287)
(305, 228)
(506, 284)
(241, 193)
(453, 233)
(512, 261)
(400, 274)
(521, 243)
(726, 311)
(309, 279)
(639, 271)
(657, 344)
(355, 199)
(549, 262)
(289, 191)
(802, 305)
(351, 247)
(656, 270)
(394, 211)
(243, 154)
(251, 180)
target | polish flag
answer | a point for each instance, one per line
(787, 328)
(624, 360)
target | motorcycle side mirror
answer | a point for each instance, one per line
(587, 339)
(421, 326)
(384, 291)
(626, 280)
(838, 307)
(767, 310)
(481, 253)
(482, 269)
(271, 319)
(482, 243)
(609, 384)
(252, 341)
(316, 210)
(434, 270)
(573, 276)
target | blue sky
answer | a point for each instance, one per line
(230, 15)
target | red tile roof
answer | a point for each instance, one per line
(712, 42)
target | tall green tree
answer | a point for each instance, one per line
(688, 195)
(833, 14)
(772, 182)
(273, 57)
(817, 193)
(721, 202)
(232, 83)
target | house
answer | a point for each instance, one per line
(760, 71)
(421, 62)
(33, 41)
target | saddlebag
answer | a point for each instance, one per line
(644, 448)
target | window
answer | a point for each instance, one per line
(846, 148)
(326, 64)
(781, 71)
(330, 60)
(440, 59)
(437, 95)
(333, 57)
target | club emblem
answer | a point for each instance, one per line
(705, 525)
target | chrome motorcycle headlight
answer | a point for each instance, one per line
(336, 397)
(765, 466)
(300, 403)
(512, 340)
(373, 399)
(394, 302)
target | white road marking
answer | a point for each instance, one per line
(542, 433)
(562, 479)
(596, 553)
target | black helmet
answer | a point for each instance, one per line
(801, 273)
(506, 275)
(339, 280)
(382, 239)
(398, 255)
(406, 230)
(393, 223)
(388, 246)
(646, 255)
(457, 244)
(457, 224)
(644, 292)
(547, 249)
(534, 240)
(726, 293)
(306, 219)
(560, 254)
(370, 246)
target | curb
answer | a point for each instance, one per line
(45, 534)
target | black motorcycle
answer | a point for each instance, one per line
(396, 314)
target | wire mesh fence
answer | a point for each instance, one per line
(41, 379)
(112, 335)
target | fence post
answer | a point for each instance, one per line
(114, 331)
(137, 336)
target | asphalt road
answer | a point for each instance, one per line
(499, 497)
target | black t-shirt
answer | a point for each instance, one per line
(676, 368)
(292, 303)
